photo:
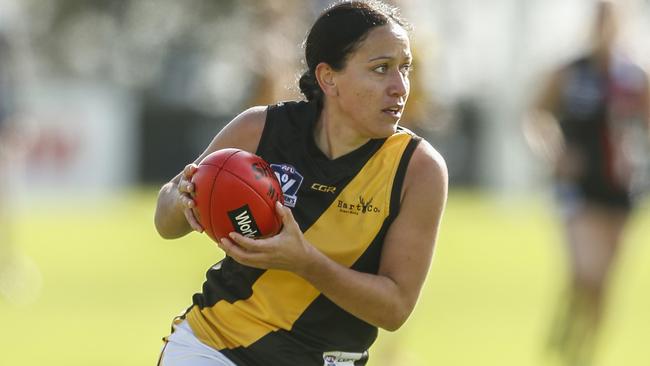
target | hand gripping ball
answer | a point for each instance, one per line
(235, 190)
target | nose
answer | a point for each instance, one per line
(399, 85)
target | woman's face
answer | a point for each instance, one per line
(373, 86)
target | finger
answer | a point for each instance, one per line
(185, 186)
(191, 219)
(231, 249)
(249, 244)
(285, 215)
(189, 170)
(187, 201)
(238, 253)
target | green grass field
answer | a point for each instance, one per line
(110, 287)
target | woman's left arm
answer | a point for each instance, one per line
(387, 298)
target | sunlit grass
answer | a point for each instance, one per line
(110, 287)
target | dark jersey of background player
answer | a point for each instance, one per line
(596, 102)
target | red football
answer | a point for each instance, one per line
(236, 191)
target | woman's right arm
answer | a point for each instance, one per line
(174, 215)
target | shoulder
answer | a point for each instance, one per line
(424, 190)
(426, 159)
(292, 112)
(242, 132)
(559, 73)
(250, 121)
(551, 85)
(286, 123)
(630, 70)
(245, 129)
(426, 174)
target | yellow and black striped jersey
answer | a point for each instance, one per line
(344, 207)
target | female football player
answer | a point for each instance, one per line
(349, 259)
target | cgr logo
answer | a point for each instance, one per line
(243, 222)
(323, 188)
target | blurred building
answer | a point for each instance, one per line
(122, 92)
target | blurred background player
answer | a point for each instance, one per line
(586, 122)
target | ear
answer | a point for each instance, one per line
(325, 77)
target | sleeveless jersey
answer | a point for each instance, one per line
(344, 208)
(593, 102)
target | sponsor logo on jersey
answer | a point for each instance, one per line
(243, 222)
(290, 181)
(362, 206)
(337, 358)
(323, 188)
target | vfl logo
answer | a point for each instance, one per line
(243, 221)
(290, 181)
(357, 208)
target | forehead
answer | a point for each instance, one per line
(390, 40)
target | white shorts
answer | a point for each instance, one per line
(184, 349)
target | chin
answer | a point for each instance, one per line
(385, 131)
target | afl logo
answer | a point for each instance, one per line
(290, 181)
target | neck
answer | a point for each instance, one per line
(603, 55)
(335, 138)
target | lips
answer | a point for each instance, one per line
(395, 110)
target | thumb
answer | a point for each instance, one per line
(285, 214)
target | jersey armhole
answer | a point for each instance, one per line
(398, 183)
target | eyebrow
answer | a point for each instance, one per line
(386, 58)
